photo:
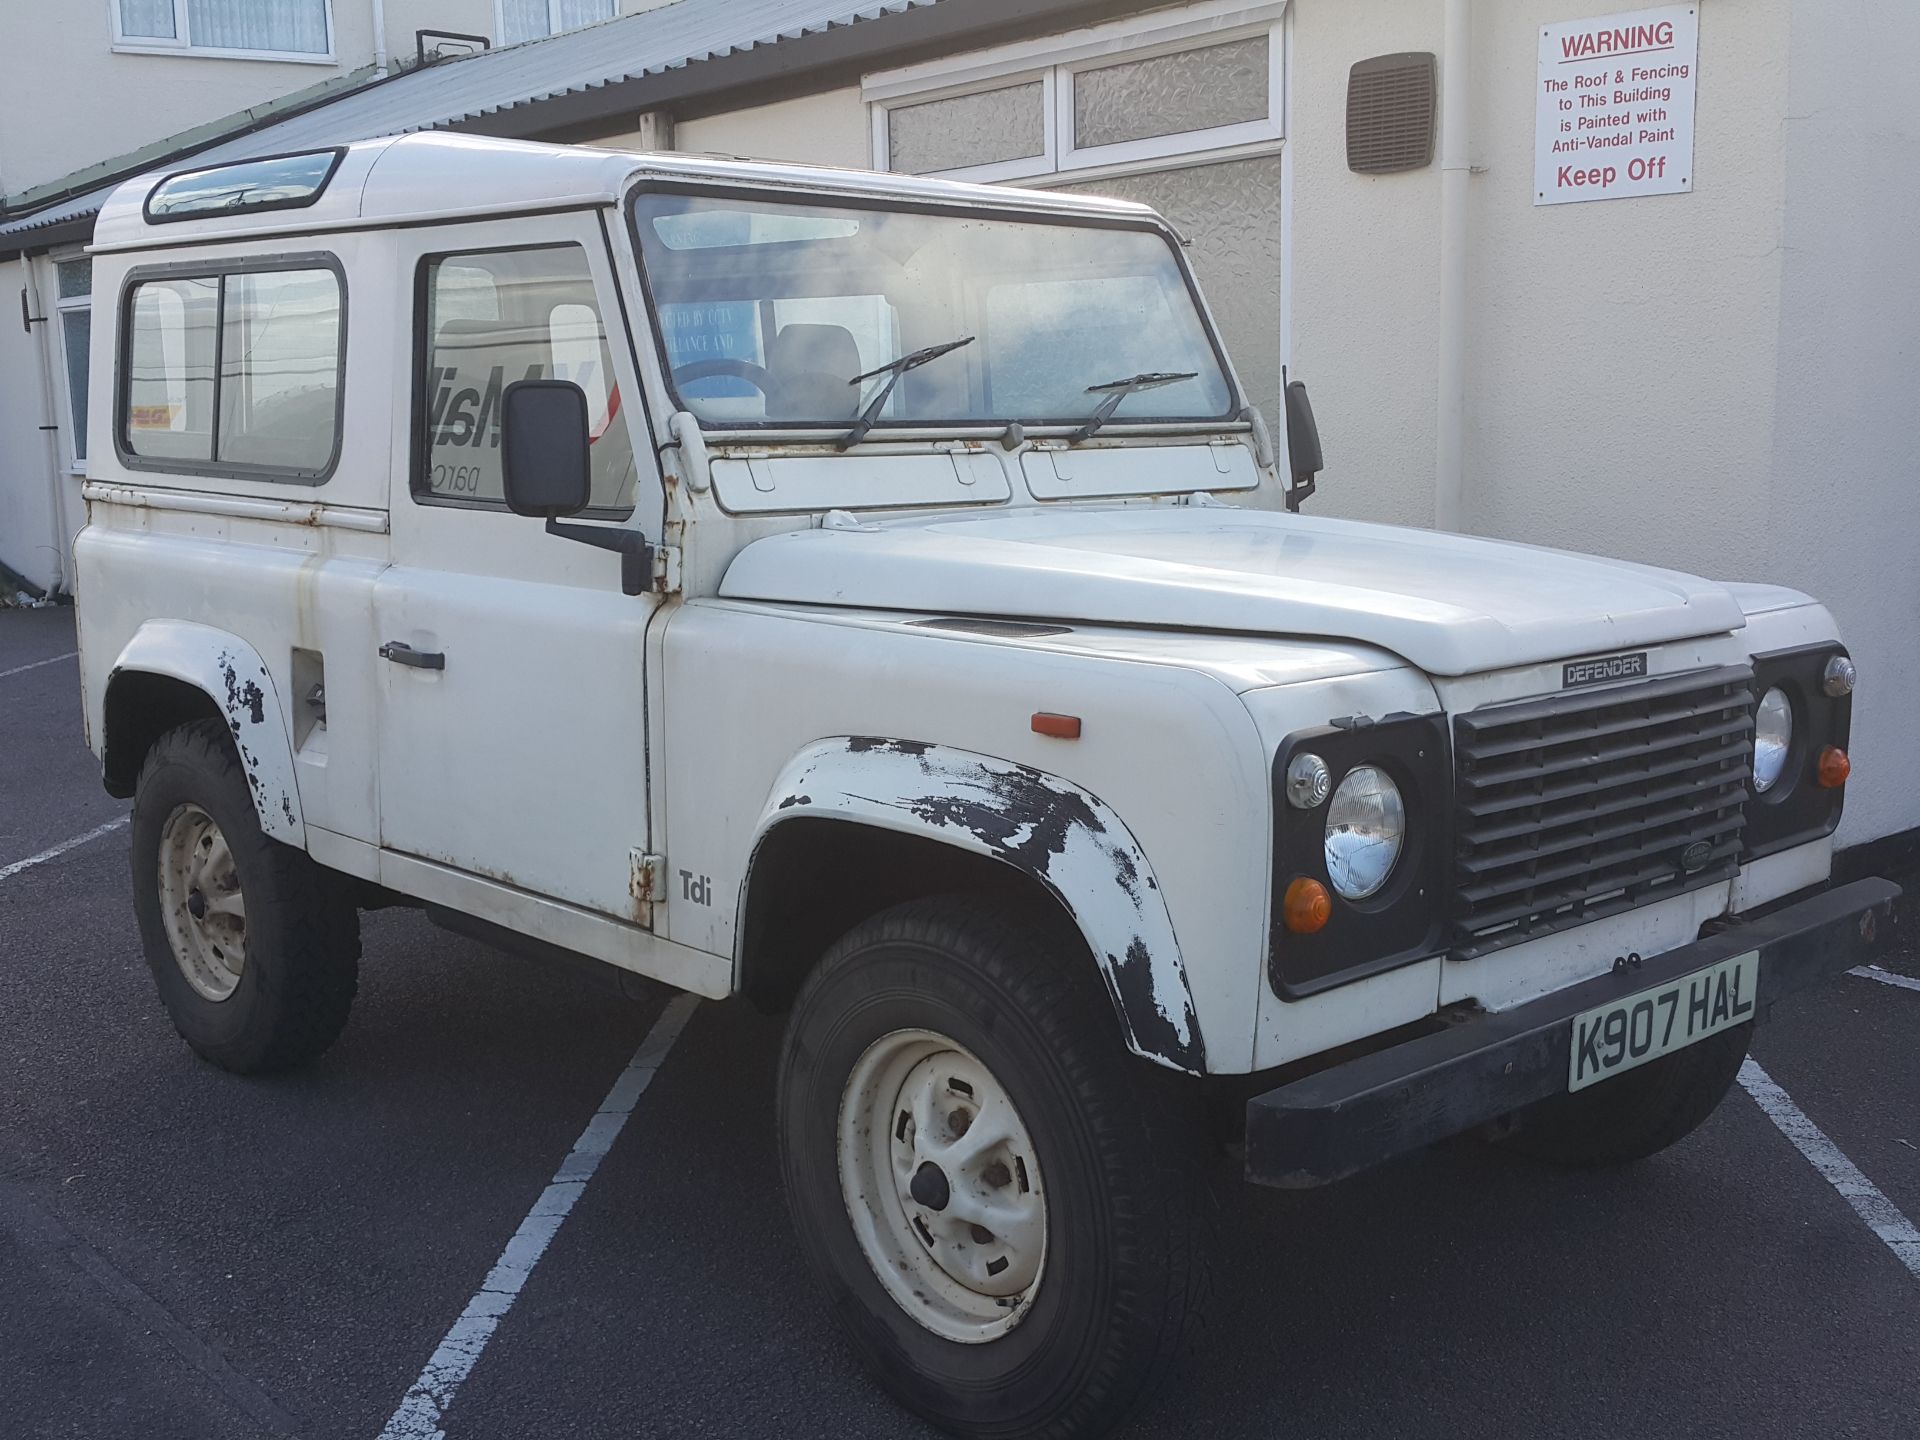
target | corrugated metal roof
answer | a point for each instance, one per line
(653, 42)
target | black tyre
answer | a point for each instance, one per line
(1007, 1212)
(254, 947)
(1634, 1115)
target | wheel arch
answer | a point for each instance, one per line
(172, 672)
(856, 824)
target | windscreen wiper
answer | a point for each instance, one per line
(893, 370)
(1118, 390)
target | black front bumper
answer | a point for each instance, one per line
(1344, 1119)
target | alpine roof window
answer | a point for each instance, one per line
(280, 182)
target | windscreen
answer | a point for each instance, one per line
(772, 313)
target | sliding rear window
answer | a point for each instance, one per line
(234, 372)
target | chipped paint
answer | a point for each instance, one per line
(1042, 825)
(233, 676)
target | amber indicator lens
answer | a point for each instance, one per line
(1060, 727)
(1834, 767)
(1307, 906)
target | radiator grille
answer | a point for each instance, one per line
(1579, 806)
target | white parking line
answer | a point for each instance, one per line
(1885, 977)
(35, 665)
(7, 872)
(418, 1417)
(1893, 1228)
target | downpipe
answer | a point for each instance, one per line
(1449, 472)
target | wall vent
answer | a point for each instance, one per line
(1390, 113)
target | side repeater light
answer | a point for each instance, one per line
(1060, 727)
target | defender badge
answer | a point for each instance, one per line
(1631, 666)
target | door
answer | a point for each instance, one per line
(513, 693)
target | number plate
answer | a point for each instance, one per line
(1628, 1033)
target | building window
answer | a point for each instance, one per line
(537, 19)
(1129, 95)
(74, 305)
(279, 29)
(234, 374)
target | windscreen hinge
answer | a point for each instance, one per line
(666, 569)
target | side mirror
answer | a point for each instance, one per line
(546, 459)
(1303, 444)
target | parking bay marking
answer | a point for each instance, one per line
(426, 1401)
(7, 872)
(36, 664)
(1894, 1229)
(1885, 977)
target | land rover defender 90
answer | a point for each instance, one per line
(876, 597)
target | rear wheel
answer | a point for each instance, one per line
(255, 949)
(1004, 1208)
(1634, 1115)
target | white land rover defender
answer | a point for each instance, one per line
(921, 639)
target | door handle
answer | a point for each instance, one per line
(402, 653)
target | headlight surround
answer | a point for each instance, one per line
(1365, 833)
(1772, 738)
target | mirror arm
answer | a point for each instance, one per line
(1300, 489)
(633, 548)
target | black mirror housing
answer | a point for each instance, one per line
(546, 454)
(1303, 444)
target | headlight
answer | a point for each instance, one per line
(1366, 829)
(1772, 738)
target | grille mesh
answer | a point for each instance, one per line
(1390, 113)
(1580, 806)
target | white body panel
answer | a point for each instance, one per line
(599, 770)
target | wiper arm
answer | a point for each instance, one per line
(893, 370)
(1118, 390)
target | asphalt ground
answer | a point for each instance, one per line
(187, 1254)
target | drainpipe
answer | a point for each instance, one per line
(1450, 458)
(380, 37)
(49, 408)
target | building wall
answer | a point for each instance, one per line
(830, 128)
(1842, 489)
(55, 53)
(1364, 324)
(27, 496)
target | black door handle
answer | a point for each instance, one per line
(402, 653)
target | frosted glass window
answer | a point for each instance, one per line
(978, 129)
(76, 328)
(536, 19)
(297, 27)
(147, 20)
(76, 278)
(1174, 94)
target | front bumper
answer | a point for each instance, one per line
(1351, 1116)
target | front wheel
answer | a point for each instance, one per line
(254, 948)
(1004, 1208)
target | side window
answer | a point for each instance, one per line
(494, 317)
(237, 373)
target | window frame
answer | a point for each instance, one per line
(219, 270)
(783, 428)
(63, 306)
(419, 442)
(182, 41)
(1058, 61)
(500, 22)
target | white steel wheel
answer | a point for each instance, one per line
(942, 1184)
(201, 905)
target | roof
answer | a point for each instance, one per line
(686, 33)
(441, 175)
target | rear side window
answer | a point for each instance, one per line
(491, 318)
(234, 373)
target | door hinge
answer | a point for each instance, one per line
(645, 875)
(666, 569)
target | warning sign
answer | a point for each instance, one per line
(1615, 106)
